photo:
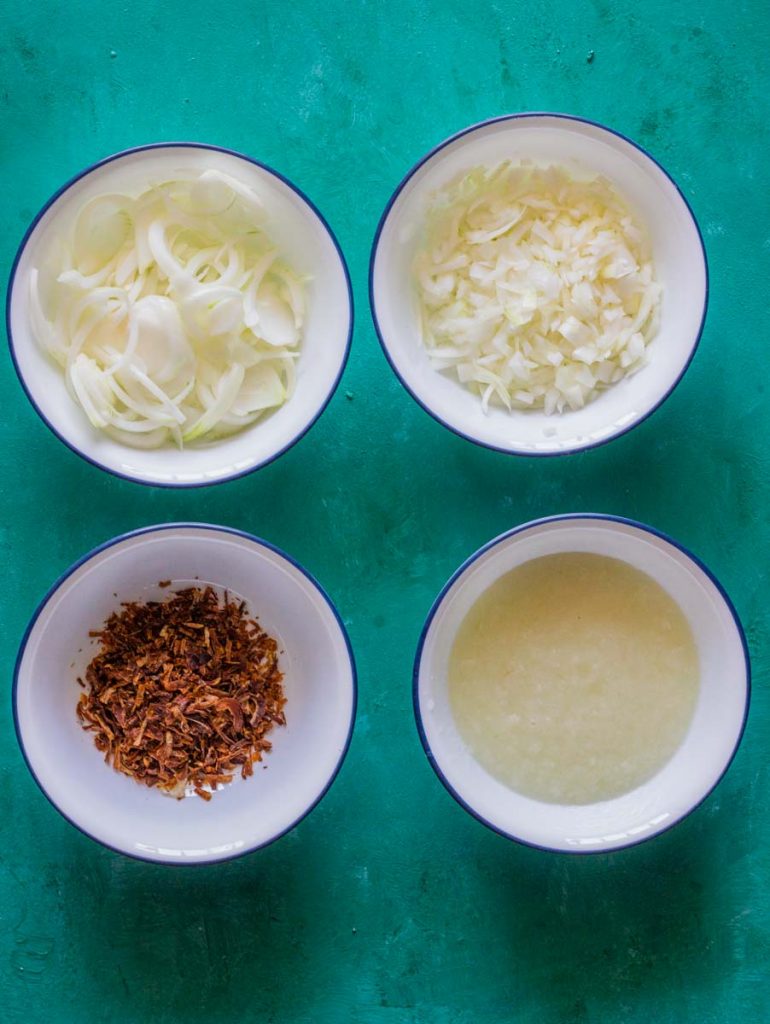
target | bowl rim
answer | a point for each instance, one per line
(131, 151)
(604, 518)
(141, 532)
(381, 337)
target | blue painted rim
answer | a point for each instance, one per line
(373, 306)
(167, 862)
(567, 517)
(177, 485)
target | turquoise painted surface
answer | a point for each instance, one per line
(389, 904)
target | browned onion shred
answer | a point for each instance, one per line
(183, 692)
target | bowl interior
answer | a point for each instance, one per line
(128, 816)
(678, 254)
(682, 782)
(306, 243)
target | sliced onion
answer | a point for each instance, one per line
(171, 313)
(224, 397)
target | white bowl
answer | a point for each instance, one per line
(680, 260)
(683, 782)
(131, 818)
(301, 233)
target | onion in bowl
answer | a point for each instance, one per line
(171, 312)
(537, 288)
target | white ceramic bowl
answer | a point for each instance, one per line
(308, 243)
(128, 817)
(695, 768)
(679, 257)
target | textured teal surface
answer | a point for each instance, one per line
(389, 904)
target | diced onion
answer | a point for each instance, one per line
(537, 289)
(171, 313)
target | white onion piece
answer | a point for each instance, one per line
(162, 348)
(210, 195)
(48, 335)
(248, 197)
(171, 312)
(275, 319)
(101, 230)
(225, 394)
(535, 288)
(262, 389)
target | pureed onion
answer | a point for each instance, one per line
(171, 312)
(535, 287)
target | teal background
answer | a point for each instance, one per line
(389, 904)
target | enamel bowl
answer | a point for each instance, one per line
(679, 256)
(695, 768)
(320, 687)
(300, 232)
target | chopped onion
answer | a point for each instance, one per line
(171, 313)
(535, 288)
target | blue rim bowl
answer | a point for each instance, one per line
(647, 807)
(389, 284)
(162, 480)
(78, 778)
